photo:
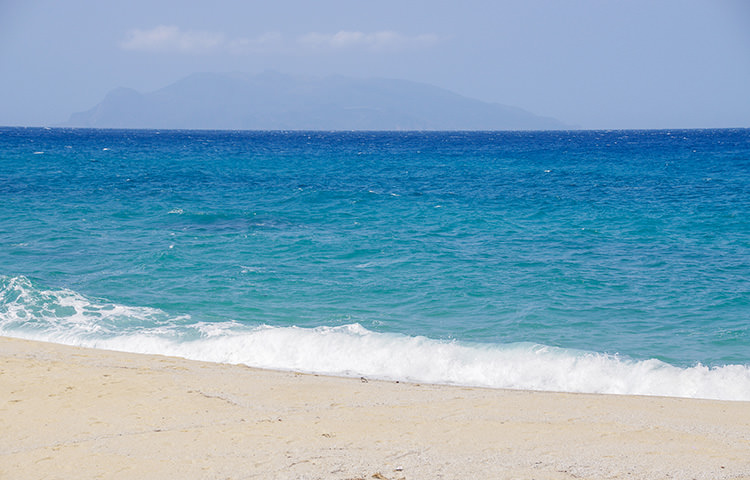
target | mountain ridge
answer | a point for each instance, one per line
(276, 101)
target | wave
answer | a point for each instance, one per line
(66, 317)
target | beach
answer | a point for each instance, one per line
(70, 412)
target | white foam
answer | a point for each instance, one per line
(351, 350)
(354, 351)
(65, 316)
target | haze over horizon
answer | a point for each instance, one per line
(595, 64)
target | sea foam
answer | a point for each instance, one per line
(66, 317)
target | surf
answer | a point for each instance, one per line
(67, 317)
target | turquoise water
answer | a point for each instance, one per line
(594, 261)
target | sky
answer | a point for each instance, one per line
(592, 64)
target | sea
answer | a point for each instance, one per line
(610, 262)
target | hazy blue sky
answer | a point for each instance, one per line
(596, 64)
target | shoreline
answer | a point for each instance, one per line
(76, 412)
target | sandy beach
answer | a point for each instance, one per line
(69, 412)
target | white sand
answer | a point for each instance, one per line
(69, 412)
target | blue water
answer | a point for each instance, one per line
(594, 261)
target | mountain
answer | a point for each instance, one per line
(275, 101)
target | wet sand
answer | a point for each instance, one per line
(68, 412)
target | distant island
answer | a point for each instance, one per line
(276, 101)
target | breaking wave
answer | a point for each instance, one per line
(66, 317)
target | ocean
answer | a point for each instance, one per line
(577, 261)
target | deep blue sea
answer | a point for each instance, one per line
(581, 261)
